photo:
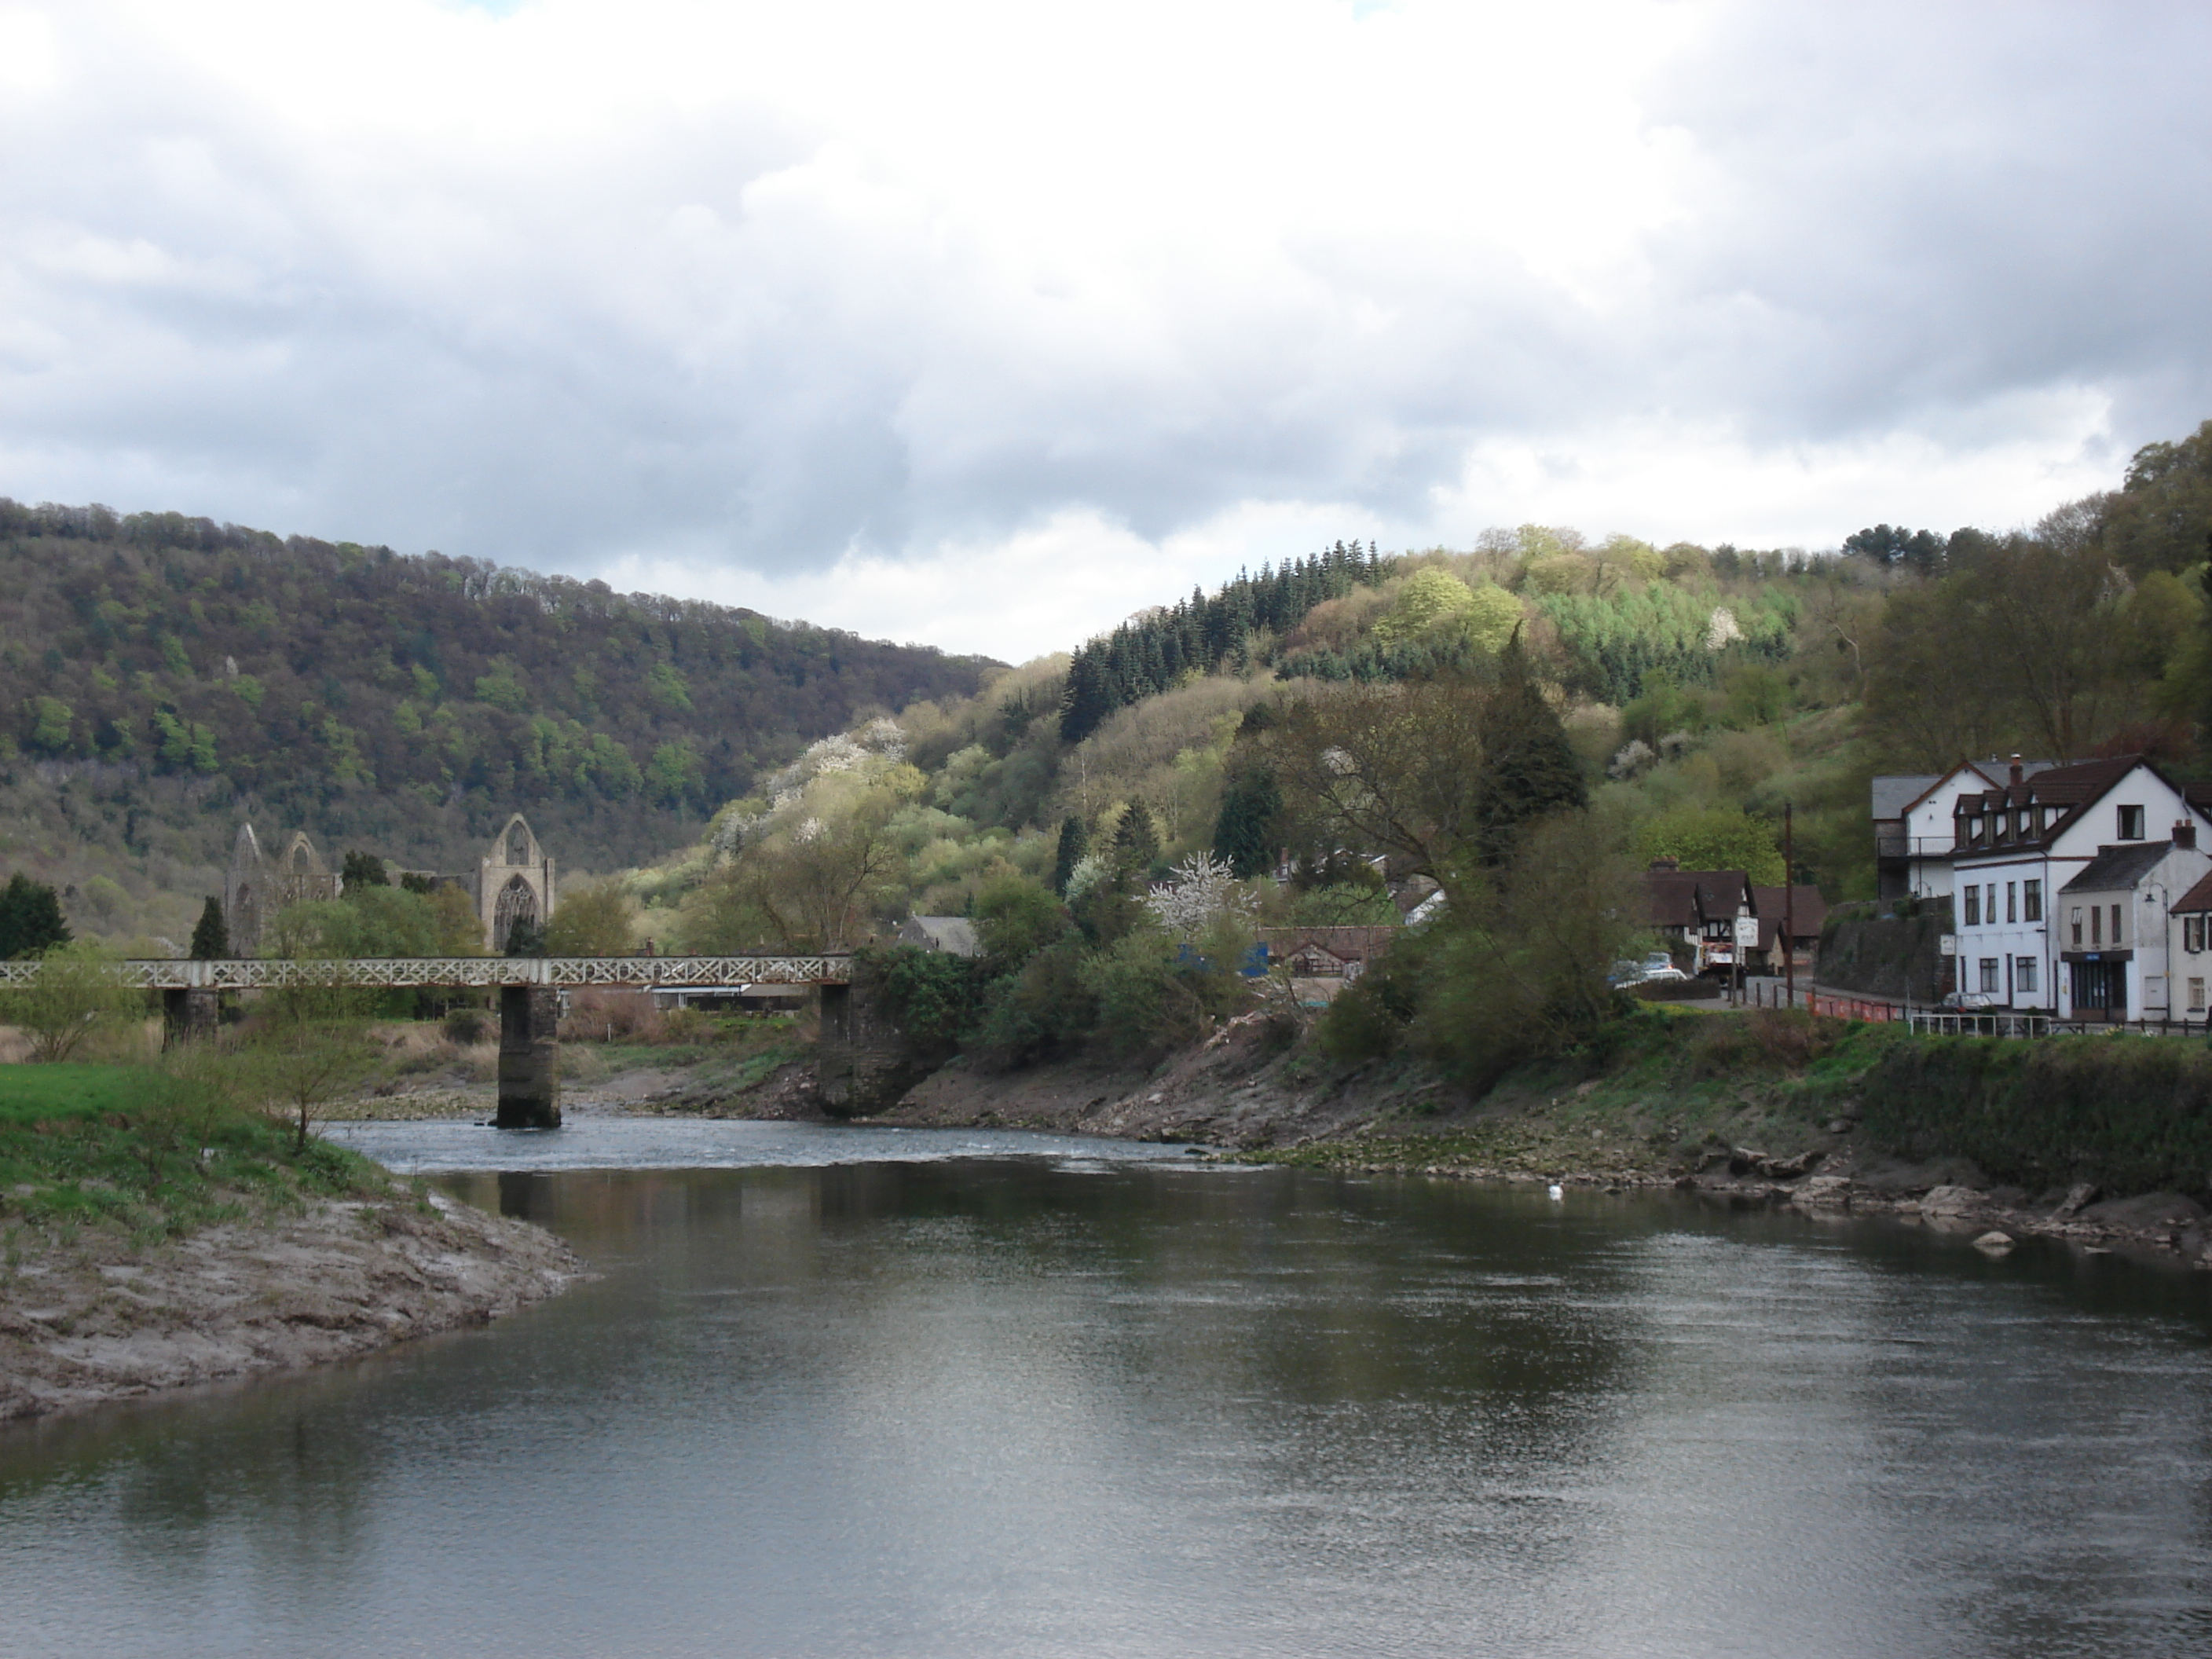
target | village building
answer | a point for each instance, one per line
(2189, 951)
(1324, 952)
(2112, 926)
(2021, 852)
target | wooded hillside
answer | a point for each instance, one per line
(160, 677)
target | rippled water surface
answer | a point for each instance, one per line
(868, 1400)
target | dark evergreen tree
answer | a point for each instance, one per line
(210, 937)
(1244, 833)
(30, 917)
(525, 939)
(1074, 843)
(363, 870)
(1136, 842)
(1528, 768)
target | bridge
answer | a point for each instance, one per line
(529, 999)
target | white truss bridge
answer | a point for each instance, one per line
(253, 974)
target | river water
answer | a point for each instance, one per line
(857, 1393)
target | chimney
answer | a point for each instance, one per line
(2015, 768)
(2184, 835)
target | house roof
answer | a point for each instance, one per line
(1894, 793)
(1683, 898)
(2117, 868)
(956, 934)
(1807, 908)
(2198, 897)
(2072, 790)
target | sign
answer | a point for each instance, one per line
(1948, 944)
(1747, 932)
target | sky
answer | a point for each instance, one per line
(985, 326)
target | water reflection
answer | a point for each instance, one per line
(1007, 1407)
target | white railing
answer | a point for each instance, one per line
(253, 974)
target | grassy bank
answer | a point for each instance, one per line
(145, 1155)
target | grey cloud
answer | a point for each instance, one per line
(1919, 213)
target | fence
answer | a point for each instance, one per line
(1962, 1021)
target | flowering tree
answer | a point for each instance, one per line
(1203, 892)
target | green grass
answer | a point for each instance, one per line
(124, 1150)
(36, 1094)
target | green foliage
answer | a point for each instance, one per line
(78, 993)
(1136, 842)
(2132, 1115)
(1528, 768)
(30, 918)
(2162, 517)
(934, 998)
(49, 725)
(441, 693)
(210, 936)
(598, 921)
(1015, 918)
(1613, 643)
(1045, 1011)
(1714, 838)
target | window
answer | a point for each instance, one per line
(1990, 976)
(2192, 935)
(2020, 824)
(2131, 823)
(2116, 924)
(2077, 924)
(2196, 996)
(2031, 901)
(2012, 900)
(1974, 908)
(2096, 924)
(2023, 976)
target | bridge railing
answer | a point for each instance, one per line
(254, 973)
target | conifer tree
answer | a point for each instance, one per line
(210, 937)
(30, 917)
(1243, 833)
(1528, 767)
(1074, 842)
(1136, 842)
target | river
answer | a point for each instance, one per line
(859, 1393)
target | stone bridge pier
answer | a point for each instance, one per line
(187, 1015)
(862, 1061)
(529, 1058)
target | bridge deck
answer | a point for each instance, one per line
(829, 968)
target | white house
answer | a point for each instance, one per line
(2018, 844)
(2112, 922)
(1914, 823)
(2189, 951)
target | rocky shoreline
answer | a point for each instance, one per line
(84, 1324)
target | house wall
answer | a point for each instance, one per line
(1930, 830)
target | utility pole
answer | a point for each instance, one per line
(1789, 907)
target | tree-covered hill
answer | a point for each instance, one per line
(162, 676)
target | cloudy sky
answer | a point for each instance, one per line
(985, 324)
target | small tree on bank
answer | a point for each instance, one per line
(79, 990)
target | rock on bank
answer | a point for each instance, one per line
(340, 1278)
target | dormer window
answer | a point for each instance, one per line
(2131, 823)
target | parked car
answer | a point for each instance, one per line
(1655, 975)
(1969, 1000)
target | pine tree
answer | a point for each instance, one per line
(1528, 767)
(1244, 834)
(1136, 842)
(30, 917)
(210, 937)
(1074, 842)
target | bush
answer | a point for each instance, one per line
(468, 1026)
(934, 998)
